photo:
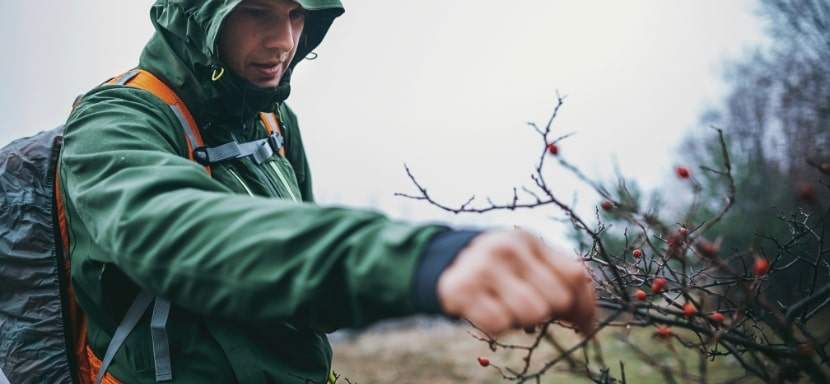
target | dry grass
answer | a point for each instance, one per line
(444, 352)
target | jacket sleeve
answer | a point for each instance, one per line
(173, 230)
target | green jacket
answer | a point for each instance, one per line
(255, 277)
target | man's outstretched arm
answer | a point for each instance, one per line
(177, 232)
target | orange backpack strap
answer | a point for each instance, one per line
(272, 125)
(141, 79)
(76, 320)
(91, 369)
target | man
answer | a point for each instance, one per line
(256, 272)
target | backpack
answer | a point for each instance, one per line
(42, 328)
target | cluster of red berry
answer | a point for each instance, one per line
(760, 268)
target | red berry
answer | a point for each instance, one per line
(553, 149)
(658, 285)
(664, 331)
(689, 310)
(717, 317)
(637, 253)
(683, 231)
(640, 295)
(707, 248)
(761, 266)
(607, 205)
(483, 361)
(806, 192)
(682, 172)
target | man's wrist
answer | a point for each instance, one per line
(437, 256)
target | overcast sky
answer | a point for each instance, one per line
(445, 86)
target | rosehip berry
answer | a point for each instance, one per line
(805, 349)
(806, 192)
(664, 331)
(658, 285)
(717, 317)
(682, 172)
(640, 295)
(707, 248)
(761, 266)
(637, 253)
(689, 310)
(553, 149)
(607, 205)
(483, 361)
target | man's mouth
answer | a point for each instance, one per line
(267, 69)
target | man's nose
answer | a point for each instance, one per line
(281, 35)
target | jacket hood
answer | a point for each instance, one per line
(183, 52)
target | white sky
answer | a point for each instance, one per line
(445, 86)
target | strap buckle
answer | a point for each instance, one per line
(201, 156)
(276, 141)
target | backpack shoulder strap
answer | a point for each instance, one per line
(141, 79)
(272, 126)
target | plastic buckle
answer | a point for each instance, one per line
(276, 141)
(201, 156)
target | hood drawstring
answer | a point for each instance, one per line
(217, 73)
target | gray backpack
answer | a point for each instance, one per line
(34, 344)
(39, 318)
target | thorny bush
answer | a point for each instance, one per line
(670, 277)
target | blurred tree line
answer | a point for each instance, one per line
(777, 120)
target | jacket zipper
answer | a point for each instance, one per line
(283, 180)
(239, 179)
(276, 169)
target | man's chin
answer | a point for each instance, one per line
(265, 84)
(260, 81)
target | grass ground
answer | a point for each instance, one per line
(444, 352)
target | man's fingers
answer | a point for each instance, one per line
(488, 314)
(527, 306)
(560, 280)
(568, 268)
(556, 260)
(552, 289)
(585, 307)
(532, 262)
(572, 282)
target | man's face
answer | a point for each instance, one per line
(259, 39)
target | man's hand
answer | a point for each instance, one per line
(510, 279)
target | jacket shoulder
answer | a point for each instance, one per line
(130, 114)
